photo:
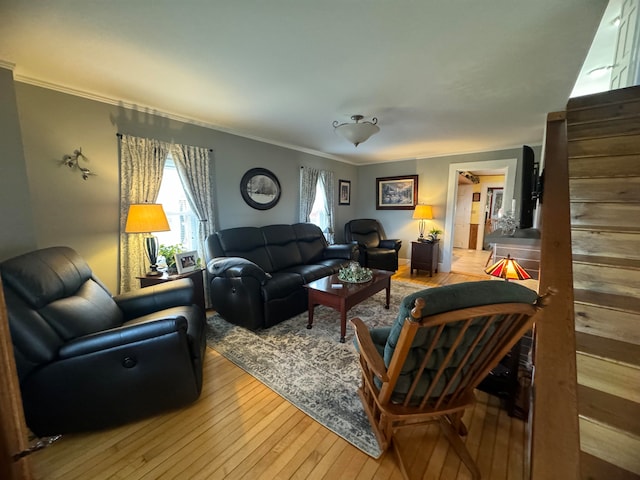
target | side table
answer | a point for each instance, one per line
(196, 276)
(424, 256)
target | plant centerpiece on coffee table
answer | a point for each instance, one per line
(354, 273)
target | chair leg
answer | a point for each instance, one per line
(401, 465)
(460, 448)
(457, 423)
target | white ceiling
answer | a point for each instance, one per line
(442, 77)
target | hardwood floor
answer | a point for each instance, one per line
(241, 429)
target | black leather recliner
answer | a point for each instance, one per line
(87, 360)
(376, 251)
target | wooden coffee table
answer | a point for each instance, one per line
(322, 292)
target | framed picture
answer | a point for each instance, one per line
(397, 193)
(186, 261)
(260, 188)
(476, 196)
(344, 187)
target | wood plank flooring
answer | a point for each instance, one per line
(241, 429)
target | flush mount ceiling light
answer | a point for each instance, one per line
(357, 132)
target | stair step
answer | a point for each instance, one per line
(611, 215)
(609, 409)
(604, 98)
(607, 277)
(606, 243)
(626, 189)
(603, 321)
(607, 146)
(604, 166)
(622, 303)
(594, 468)
(626, 125)
(603, 261)
(610, 445)
(608, 349)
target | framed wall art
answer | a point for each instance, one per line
(260, 188)
(397, 193)
(344, 189)
(476, 196)
(186, 261)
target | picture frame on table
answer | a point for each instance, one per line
(186, 262)
(344, 189)
(397, 193)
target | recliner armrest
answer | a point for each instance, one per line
(236, 267)
(119, 336)
(394, 243)
(348, 251)
(156, 297)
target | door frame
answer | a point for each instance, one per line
(510, 167)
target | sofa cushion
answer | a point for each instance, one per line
(281, 285)
(282, 246)
(245, 242)
(311, 242)
(310, 273)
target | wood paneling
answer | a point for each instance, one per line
(619, 324)
(606, 166)
(608, 244)
(614, 145)
(604, 278)
(616, 189)
(610, 377)
(595, 112)
(612, 445)
(612, 215)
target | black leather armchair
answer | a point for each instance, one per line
(87, 360)
(376, 251)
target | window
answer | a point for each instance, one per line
(182, 220)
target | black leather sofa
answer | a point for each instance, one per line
(87, 360)
(257, 273)
(376, 251)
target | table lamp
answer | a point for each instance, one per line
(422, 213)
(508, 269)
(148, 218)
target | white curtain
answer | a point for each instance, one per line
(141, 167)
(195, 170)
(309, 179)
(326, 181)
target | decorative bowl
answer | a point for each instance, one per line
(354, 273)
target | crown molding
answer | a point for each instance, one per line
(7, 65)
(170, 115)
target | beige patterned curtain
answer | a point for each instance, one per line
(308, 182)
(327, 182)
(141, 167)
(195, 169)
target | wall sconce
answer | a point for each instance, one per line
(73, 161)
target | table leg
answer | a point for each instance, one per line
(343, 324)
(312, 307)
(388, 292)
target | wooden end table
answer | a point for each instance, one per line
(322, 292)
(196, 276)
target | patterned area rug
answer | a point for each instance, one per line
(311, 368)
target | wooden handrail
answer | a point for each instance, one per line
(13, 430)
(555, 442)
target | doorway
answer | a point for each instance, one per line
(508, 167)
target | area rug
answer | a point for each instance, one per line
(310, 367)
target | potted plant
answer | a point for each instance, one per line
(167, 257)
(434, 232)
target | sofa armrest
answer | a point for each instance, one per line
(156, 297)
(391, 243)
(348, 251)
(119, 336)
(230, 267)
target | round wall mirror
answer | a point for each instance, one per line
(260, 188)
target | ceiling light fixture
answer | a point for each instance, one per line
(357, 132)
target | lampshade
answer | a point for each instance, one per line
(508, 269)
(357, 132)
(146, 218)
(423, 212)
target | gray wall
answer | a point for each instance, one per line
(67, 210)
(433, 176)
(84, 214)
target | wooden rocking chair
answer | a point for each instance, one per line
(445, 340)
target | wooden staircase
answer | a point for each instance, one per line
(603, 133)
